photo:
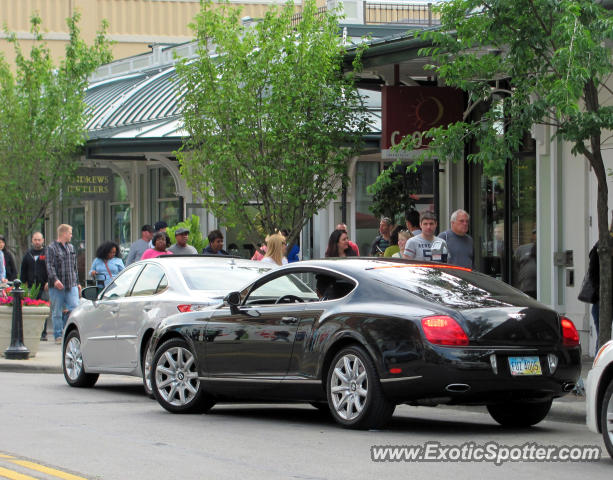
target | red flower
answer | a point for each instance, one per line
(27, 302)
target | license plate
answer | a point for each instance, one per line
(525, 366)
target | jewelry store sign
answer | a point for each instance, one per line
(92, 184)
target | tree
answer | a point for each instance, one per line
(395, 192)
(42, 123)
(272, 120)
(553, 58)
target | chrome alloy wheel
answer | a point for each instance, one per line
(147, 367)
(73, 359)
(349, 387)
(176, 378)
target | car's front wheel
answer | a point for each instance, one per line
(174, 379)
(606, 418)
(72, 363)
(355, 396)
(519, 413)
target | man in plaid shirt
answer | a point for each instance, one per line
(64, 288)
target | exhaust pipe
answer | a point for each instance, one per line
(457, 388)
(567, 387)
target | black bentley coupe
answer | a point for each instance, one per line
(358, 336)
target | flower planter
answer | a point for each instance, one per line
(33, 321)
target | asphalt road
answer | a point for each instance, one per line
(114, 432)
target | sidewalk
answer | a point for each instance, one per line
(48, 359)
(570, 408)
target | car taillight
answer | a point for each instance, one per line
(184, 308)
(570, 335)
(443, 330)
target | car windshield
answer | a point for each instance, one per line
(221, 277)
(449, 285)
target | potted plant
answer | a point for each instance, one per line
(34, 313)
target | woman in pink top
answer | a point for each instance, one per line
(161, 242)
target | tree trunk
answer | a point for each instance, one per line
(604, 255)
(594, 157)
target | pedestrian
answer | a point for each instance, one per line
(353, 245)
(293, 254)
(107, 264)
(139, 246)
(382, 241)
(592, 293)
(420, 246)
(260, 250)
(63, 277)
(9, 261)
(2, 269)
(338, 245)
(215, 246)
(403, 237)
(275, 250)
(394, 247)
(525, 265)
(181, 247)
(161, 242)
(33, 272)
(411, 218)
(459, 243)
(159, 226)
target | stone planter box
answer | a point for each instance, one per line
(33, 321)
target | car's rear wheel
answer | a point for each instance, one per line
(519, 413)
(72, 363)
(606, 418)
(355, 396)
(174, 379)
(146, 362)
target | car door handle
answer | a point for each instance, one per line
(114, 311)
(289, 320)
(148, 307)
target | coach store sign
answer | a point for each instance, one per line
(410, 111)
(92, 184)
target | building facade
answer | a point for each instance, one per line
(545, 197)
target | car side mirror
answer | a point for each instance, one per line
(90, 293)
(233, 299)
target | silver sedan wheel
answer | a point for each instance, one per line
(349, 387)
(147, 367)
(176, 378)
(73, 358)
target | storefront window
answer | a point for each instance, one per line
(523, 226)
(417, 190)
(366, 224)
(169, 206)
(76, 219)
(489, 223)
(121, 214)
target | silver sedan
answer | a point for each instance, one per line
(109, 332)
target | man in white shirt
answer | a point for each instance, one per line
(420, 246)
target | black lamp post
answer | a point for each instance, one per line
(17, 350)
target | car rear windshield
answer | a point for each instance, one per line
(227, 277)
(448, 285)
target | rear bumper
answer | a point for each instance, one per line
(466, 376)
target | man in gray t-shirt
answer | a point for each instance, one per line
(139, 246)
(420, 246)
(181, 247)
(459, 243)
